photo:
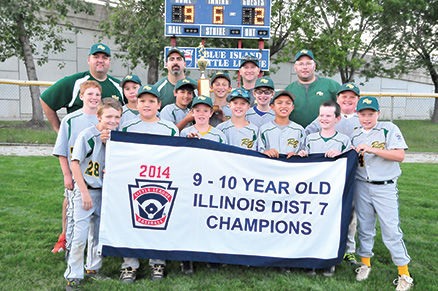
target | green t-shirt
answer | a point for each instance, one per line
(165, 88)
(308, 100)
(65, 92)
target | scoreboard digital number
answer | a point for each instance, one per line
(218, 18)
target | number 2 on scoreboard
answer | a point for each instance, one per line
(154, 172)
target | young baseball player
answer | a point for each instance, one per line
(281, 136)
(347, 97)
(381, 148)
(72, 124)
(178, 112)
(148, 104)
(87, 164)
(328, 141)
(239, 131)
(220, 85)
(202, 108)
(261, 113)
(130, 85)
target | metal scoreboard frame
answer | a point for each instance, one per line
(246, 19)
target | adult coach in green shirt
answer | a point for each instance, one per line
(65, 92)
(176, 64)
(310, 90)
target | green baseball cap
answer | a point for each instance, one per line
(367, 102)
(304, 53)
(100, 48)
(220, 75)
(202, 99)
(130, 78)
(249, 58)
(349, 87)
(186, 82)
(175, 50)
(150, 89)
(239, 93)
(264, 82)
(283, 93)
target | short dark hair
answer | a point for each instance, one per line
(331, 103)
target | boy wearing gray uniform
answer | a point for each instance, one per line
(178, 113)
(130, 85)
(71, 125)
(347, 97)
(239, 131)
(381, 147)
(148, 104)
(261, 113)
(88, 162)
(281, 136)
(202, 108)
(220, 85)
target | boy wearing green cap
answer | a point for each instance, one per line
(178, 113)
(381, 148)
(239, 131)
(262, 113)
(281, 136)
(220, 85)
(202, 108)
(130, 85)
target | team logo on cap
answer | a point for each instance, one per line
(147, 87)
(264, 81)
(151, 203)
(185, 81)
(101, 47)
(367, 101)
(304, 51)
(349, 86)
(128, 77)
(201, 98)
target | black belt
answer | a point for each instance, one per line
(381, 182)
(92, 188)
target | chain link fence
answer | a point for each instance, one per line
(15, 102)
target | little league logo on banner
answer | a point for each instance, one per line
(187, 199)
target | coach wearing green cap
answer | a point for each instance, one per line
(65, 92)
(176, 65)
(310, 90)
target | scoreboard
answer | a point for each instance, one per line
(218, 18)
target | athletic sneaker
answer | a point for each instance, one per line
(95, 275)
(350, 258)
(128, 275)
(187, 267)
(362, 272)
(403, 283)
(329, 272)
(60, 244)
(72, 285)
(157, 272)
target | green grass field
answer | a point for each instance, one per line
(413, 131)
(30, 220)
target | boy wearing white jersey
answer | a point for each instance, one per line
(87, 164)
(381, 148)
(178, 113)
(220, 85)
(130, 85)
(261, 113)
(347, 97)
(281, 136)
(148, 104)
(72, 124)
(239, 131)
(202, 111)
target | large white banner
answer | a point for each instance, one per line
(188, 199)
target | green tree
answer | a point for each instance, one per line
(410, 39)
(340, 33)
(26, 23)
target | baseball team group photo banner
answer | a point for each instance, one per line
(187, 199)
